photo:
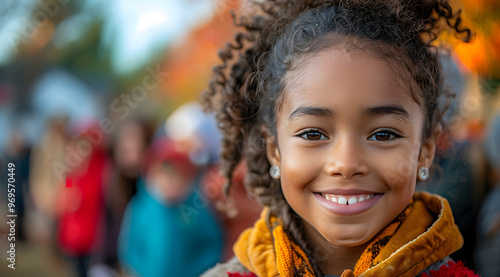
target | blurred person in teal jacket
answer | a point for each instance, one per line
(169, 228)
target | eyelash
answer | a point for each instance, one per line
(392, 134)
(304, 134)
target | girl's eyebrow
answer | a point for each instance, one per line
(371, 111)
(314, 111)
(387, 110)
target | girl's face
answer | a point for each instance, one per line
(348, 145)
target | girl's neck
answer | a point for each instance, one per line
(331, 258)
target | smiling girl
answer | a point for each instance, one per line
(334, 107)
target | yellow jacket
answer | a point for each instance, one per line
(422, 242)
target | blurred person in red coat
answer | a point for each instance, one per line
(80, 205)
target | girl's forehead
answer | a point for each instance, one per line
(349, 53)
(335, 76)
(340, 53)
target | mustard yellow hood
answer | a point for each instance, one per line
(428, 235)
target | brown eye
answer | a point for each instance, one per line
(312, 135)
(384, 136)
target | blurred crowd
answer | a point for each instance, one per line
(147, 200)
(142, 195)
(143, 200)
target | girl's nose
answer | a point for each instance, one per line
(346, 159)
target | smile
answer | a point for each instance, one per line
(347, 199)
(349, 203)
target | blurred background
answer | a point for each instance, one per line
(98, 115)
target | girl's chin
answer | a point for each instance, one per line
(350, 241)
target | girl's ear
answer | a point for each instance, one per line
(272, 151)
(428, 149)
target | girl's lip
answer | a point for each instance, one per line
(347, 191)
(342, 209)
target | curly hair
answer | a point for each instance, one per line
(247, 87)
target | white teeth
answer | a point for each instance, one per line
(347, 201)
(352, 200)
(342, 200)
(330, 197)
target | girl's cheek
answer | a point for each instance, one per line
(298, 170)
(395, 180)
(399, 169)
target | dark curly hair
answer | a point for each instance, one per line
(247, 87)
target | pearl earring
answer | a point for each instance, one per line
(274, 171)
(423, 173)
